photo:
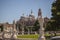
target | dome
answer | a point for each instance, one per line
(32, 14)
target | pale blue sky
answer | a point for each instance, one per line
(13, 9)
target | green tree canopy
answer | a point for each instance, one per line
(36, 26)
(54, 23)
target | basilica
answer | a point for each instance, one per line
(24, 25)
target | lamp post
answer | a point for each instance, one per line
(41, 31)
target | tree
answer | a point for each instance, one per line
(36, 26)
(50, 26)
(54, 23)
(18, 26)
(55, 19)
(1, 28)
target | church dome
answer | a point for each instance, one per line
(32, 14)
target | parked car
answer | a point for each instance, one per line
(55, 38)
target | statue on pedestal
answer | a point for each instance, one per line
(41, 21)
(9, 31)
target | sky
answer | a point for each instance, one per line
(13, 9)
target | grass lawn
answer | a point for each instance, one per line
(28, 36)
(31, 36)
(34, 36)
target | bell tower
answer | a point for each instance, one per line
(39, 13)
